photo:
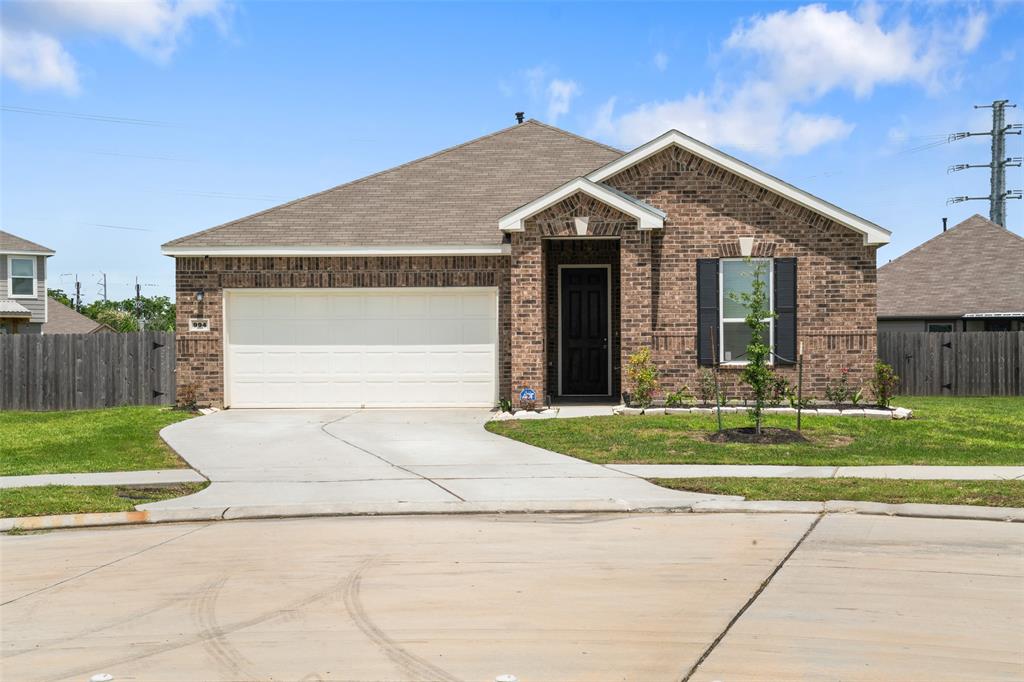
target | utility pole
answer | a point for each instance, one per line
(78, 295)
(103, 283)
(138, 304)
(1000, 162)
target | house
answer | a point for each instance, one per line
(23, 300)
(62, 319)
(528, 258)
(967, 278)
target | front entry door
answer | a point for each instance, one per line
(584, 331)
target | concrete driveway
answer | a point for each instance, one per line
(548, 598)
(391, 461)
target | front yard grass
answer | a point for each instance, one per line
(113, 439)
(73, 499)
(944, 431)
(986, 493)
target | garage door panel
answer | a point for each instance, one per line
(351, 347)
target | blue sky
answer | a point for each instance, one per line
(246, 105)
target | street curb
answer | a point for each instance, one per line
(715, 506)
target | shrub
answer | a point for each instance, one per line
(884, 383)
(705, 385)
(188, 395)
(643, 378)
(678, 398)
(505, 405)
(838, 392)
(779, 389)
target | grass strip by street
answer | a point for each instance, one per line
(944, 431)
(68, 499)
(890, 491)
(112, 439)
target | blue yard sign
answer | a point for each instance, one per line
(528, 395)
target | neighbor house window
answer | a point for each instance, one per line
(21, 277)
(737, 278)
(940, 327)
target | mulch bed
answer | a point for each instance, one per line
(746, 434)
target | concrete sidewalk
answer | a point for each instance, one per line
(917, 473)
(155, 477)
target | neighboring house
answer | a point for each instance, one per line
(23, 301)
(528, 258)
(63, 319)
(967, 278)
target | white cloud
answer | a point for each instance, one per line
(35, 29)
(660, 61)
(560, 94)
(37, 61)
(799, 57)
(974, 31)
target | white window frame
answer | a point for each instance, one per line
(721, 310)
(10, 277)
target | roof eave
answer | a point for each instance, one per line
(323, 251)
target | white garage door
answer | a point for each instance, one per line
(361, 347)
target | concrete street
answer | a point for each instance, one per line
(544, 597)
(367, 461)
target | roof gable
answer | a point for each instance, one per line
(974, 267)
(61, 319)
(873, 234)
(11, 243)
(647, 217)
(452, 198)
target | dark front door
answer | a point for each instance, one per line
(584, 335)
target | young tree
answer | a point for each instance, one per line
(758, 372)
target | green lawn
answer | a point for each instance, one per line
(987, 493)
(69, 499)
(954, 431)
(114, 439)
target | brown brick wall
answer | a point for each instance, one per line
(708, 209)
(200, 355)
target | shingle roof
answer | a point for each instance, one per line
(13, 308)
(453, 197)
(60, 319)
(974, 267)
(10, 242)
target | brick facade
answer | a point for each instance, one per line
(653, 280)
(708, 210)
(200, 354)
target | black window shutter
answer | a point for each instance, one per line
(707, 309)
(785, 311)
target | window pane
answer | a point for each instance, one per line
(21, 267)
(737, 279)
(736, 336)
(21, 286)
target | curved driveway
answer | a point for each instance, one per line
(386, 461)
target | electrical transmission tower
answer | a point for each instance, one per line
(1000, 161)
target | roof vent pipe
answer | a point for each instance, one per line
(944, 220)
(520, 116)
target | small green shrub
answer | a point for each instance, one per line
(884, 384)
(679, 398)
(643, 378)
(838, 392)
(705, 385)
(505, 405)
(779, 389)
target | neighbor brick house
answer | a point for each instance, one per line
(529, 258)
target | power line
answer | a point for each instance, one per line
(88, 117)
(998, 194)
(118, 227)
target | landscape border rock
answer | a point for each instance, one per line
(866, 412)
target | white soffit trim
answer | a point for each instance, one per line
(648, 217)
(465, 250)
(873, 234)
(27, 253)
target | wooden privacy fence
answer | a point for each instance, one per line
(80, 371)
(955, 363)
